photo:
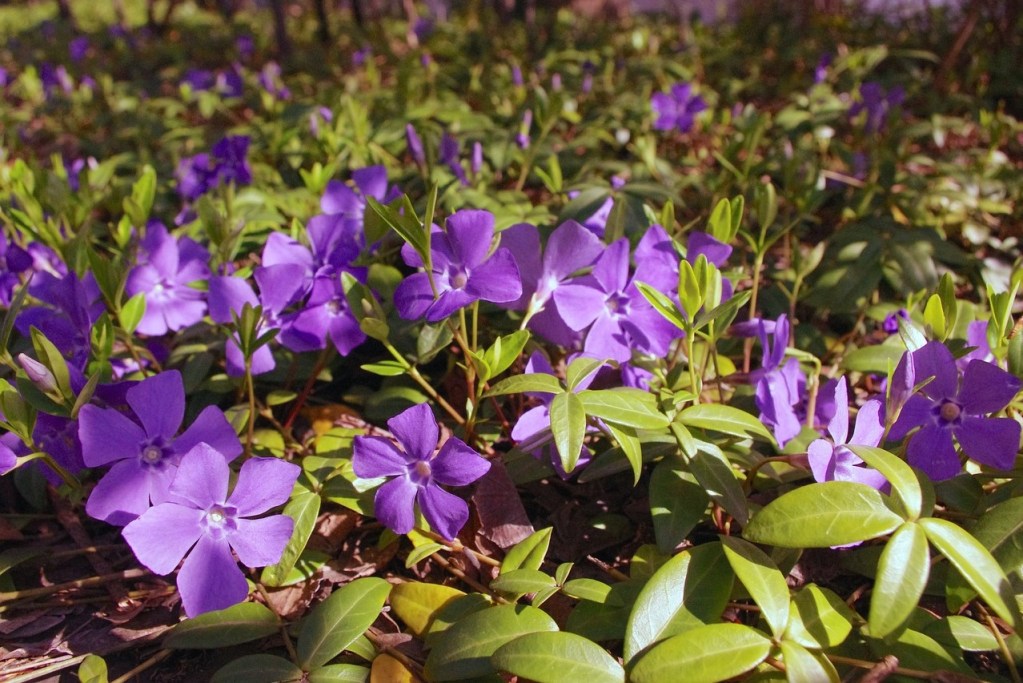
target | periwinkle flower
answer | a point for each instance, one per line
(877, 103)
(820, 72)
(418, 473)
(78, 48)
(272, 83)
(69, 307)
(890, 324)
(677, 110)
(832, 460)
(318, 117)
(201, 523)
(338, 232)
(145, 454)
(227, 162)
(462, 271)
(476, 164)
(414, 144)
(778, 387)
(450, 155)
(13, 262)
(166, 267)
(956, 407)
(228, 296)
(199, 79)
(522, 137)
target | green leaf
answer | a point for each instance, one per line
(961, 632)
(417, 603)
(715, 474)
(258, 669)
(819, 619)
(504, 351)
(465, 649)
(915, 650)
(631, 448)
(132, 312)
(93, 669)
(581, 369)
(239, 623)
(385, 368)
(689, 590)
(548, 657)
(823, 515)
(706, 654)
(340, 619)
(1000, 530)
(537, 382)
(724, 419)
(677, 504)
(902, 575)
(523, 581)
(279, 397)
(803, 666)
(690, 290)
(664, 305)
(875, 358)
(406, 224)
(568, 425)
(975, 563)
(529, 552)
(339, 673)
(905, 485)
(303, 508)
(587, 589)
(454, 611)
(762, 580)
(624, 406)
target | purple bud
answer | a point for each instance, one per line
(38, 373)
(556, 82)
(477, 157)
(522, 139)
(587, 85)
(415, 144)
(517, 76)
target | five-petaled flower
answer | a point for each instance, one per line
(950, 406)
(199, 519)
(418, 473)
(832, 460)
(678, 110)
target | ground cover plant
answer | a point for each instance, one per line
(461, 346)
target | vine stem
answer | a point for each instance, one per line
(288, 645)
(250, 432)
(152, 661)
(321, 363)
(1006, 653)
(79, 583)
(473, 583)
(866, 664)
(456, 545)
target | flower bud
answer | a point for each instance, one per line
(38, 373)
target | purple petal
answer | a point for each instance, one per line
(375, 456)
(570, 247)
(612, 268)
(607, 339)
(821, 456)
(210, 427)
(934, 359)
(523, 241)
(260, 542)
(416, 430)
(338, 198)
(107, 435)
(449, 301)
(700, 243)
(496, 280)
(993, 441)
(986, 388)
(580, 303)
(228, 294)
(263, 483)
(471, 232)
(345, 332)
(414, 296)
(210, 578)
(281, 249)
(457, 464)
(121, 495)
(869, 424)
(931, 450)
(202, 478)
(445, 512)
(281, 285)
(394, 505)
(162, 536)
(159, 402)
(533, 425)
(915, 412)
(371, 181)
(838, 427)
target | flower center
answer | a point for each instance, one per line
(459, 279)
(617, 304)
(216, 515)
(949, 411)
(423, 469)
(152, 454)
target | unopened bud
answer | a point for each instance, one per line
(38, 373)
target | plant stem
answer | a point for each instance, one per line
(747, 349)
(79, 583)
(1010, 662)
(152, 661)
(250, 433)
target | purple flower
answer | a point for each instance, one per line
(450, 153)
(271, 82)
(318, 117)
(678, 110)
(597, 221)
(8, 459)
(415, 144)
(194, 176)
(337, 233)
(570, 248)
(145, 453)
(877, 104)
(976, 337)
(953, 406)
(78, 48)
(54, 78)
(231, 157)
(228, 296)
(70, 307)
(13, 262)
(418, 473)
(166, 267)
(832, 460)
(522, 137)
(779, 389)
(462, 273)
(820, 72)
(202, 524)
(245, 46)
(891, 321)
(619, 318)
(199, 79)
(476, 165)
(516, 76)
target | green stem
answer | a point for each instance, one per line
(747, 350)
(413, 372)
(250, 433)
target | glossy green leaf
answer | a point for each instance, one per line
(705, 654)
(688, 591)
(677, 503)
(533, 382)
(522, 581)
(587, 589)
(337, 621)
(902, 575)
(804, 666)
(93, 669)
(762, 580)
(528, 553)
(465, 649)
(915, 650)
(258, 669)
(876, 358)
(818, 618)
(568, 425)
(503, 352)
(304, 509)
(962, 632)
(663, 304)
(417, 603)
(630, 446)
(554, 657)
(454, 611)
(905, 485)
(1000, 530)
(385, 368)
(339, 673)
(823, 515)
(724, 419)
(624, 406)
(132, 312)
(581, 369)
(237, 624)
(717, 477)
(975, 563)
